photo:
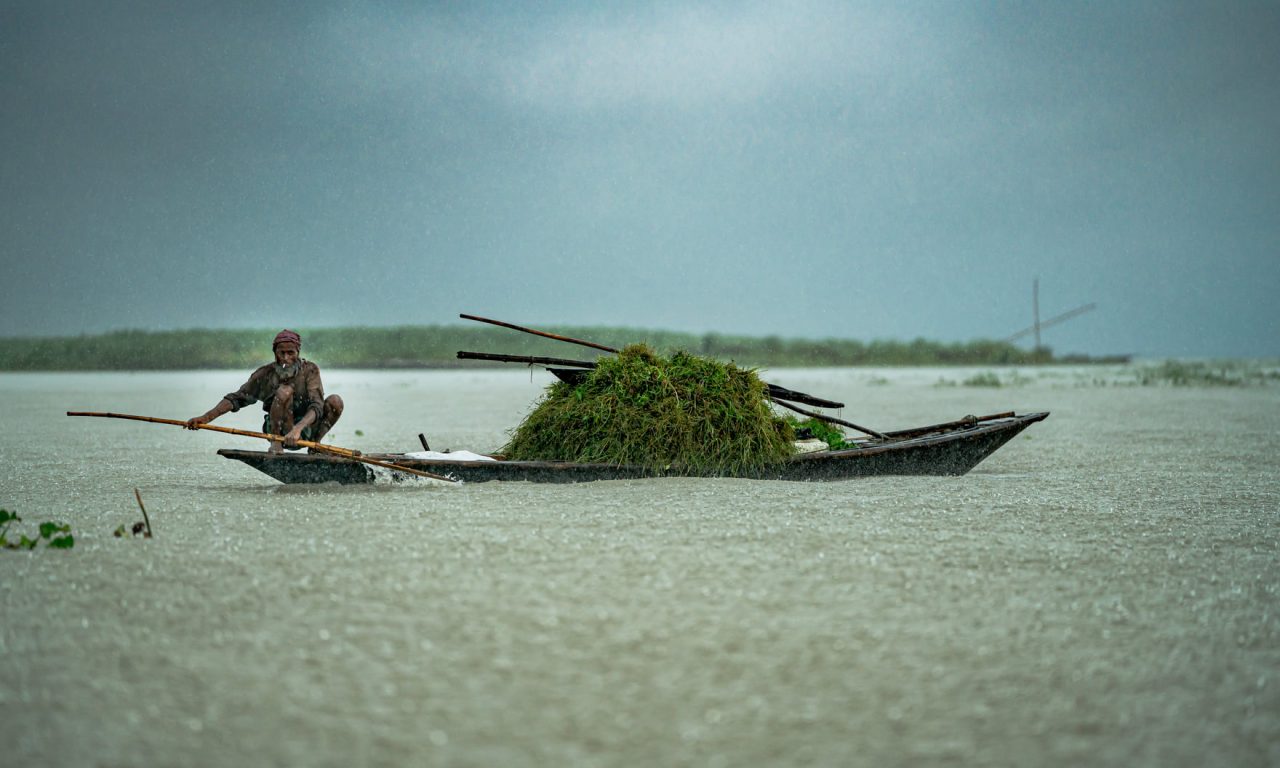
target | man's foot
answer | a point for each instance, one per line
(275, 448)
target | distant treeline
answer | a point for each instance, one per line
(434, 346)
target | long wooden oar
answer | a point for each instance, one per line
(831, 419)
(544, 334)
(967, 421)
(333, 450)
(527, 359)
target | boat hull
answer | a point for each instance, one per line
(951, 449)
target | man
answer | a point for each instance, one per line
(291, 395)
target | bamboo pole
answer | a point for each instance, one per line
(544, 334)
(967, 421)
(775, 391)
(332, 450)
(830, 419)
(527, 359)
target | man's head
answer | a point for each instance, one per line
(286, 347)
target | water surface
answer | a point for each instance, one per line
(1102, 590)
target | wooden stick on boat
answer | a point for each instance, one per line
(332, 450)
(782, 393)
(528, 359)
(829, 419)
(544, 334)
(967, 421)
(775, 391)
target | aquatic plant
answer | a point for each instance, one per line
(141, 528)
(986, 379)
(643, 409)
(58, 535)
(821, 430)
(1179, 373)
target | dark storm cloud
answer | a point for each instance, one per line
(805, 169)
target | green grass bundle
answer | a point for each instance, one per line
(643, 409)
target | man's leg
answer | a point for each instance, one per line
(281, 414)
(332, 412)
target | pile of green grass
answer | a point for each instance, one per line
(643, 409)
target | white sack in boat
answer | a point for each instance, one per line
(811, 446)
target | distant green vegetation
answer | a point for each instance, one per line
(433, 346)
(1176, 373)
(987, 379)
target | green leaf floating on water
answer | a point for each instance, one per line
(48, 529)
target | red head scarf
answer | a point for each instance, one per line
(287, 336)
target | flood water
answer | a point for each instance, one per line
(1103, 590)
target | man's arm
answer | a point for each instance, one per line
(224, 406)
(248, 394)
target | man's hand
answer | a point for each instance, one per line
(291, 439)
(222, 407)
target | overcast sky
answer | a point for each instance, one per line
(805, 169)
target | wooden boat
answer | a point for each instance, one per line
(952, 448)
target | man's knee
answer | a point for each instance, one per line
(332, 408)
(284, 394)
